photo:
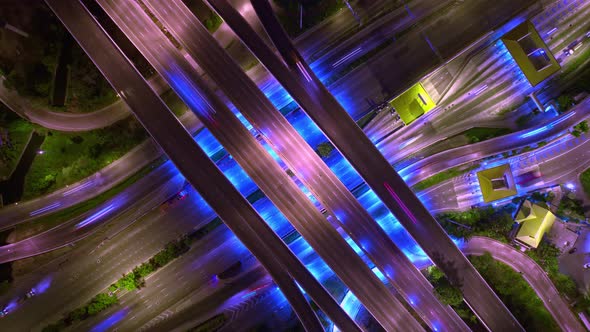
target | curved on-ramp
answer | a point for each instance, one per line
(70, 121)
(532, 273)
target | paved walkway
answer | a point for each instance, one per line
(532, 273)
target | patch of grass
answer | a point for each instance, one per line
(213, 22)
(14, 135)
(505, 111)
(480, 221)
(174, 103)
(516, 293)
(136, 278)
(546, 255)
(129, 282)
(576, 62)
(88, 90)
(565, 102)
(70, 157)
(31, 74)
(570, 208)
(209, 18)
(580, 128)
(585, 180)
(451, 295)
(98, 303)
(442, 176)
(479, 134)
(250, 64)
(44, 223)
(324, 149)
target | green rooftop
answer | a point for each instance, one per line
(496, 183)
(412, 103)
(534, 221)
(530, 52)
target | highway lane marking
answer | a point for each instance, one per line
(78, 188)
(45, 209)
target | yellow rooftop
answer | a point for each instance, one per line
(496, 183)
(535, 221)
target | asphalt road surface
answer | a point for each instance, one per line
(236, 212)
(90, 187)
(244, 148)
(352, 143)
(259, 111)
(454, 157)
(69, 121)
(373, 240)
(532, 273)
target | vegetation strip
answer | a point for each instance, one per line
(130, 281)
(516, 294)
(47, 222)
(441, 177)
(585, 180)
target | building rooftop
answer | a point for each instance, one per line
(534, 221)
(496, 183)
(530, 52)
(412, 103)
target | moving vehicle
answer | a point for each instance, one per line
(30, 294)
(181, 195)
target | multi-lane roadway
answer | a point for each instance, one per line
(244, 148)
(352, 143)
(217, 190)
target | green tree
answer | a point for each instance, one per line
(143, 270)
(101, 302)
(516, 293)
(564, 284)
(57, 327)
(449, 295)
(128, 282)
(78, 314)
(585, 180)
(583, 126)
(435, 274)
(565, 102)
(324, 149)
